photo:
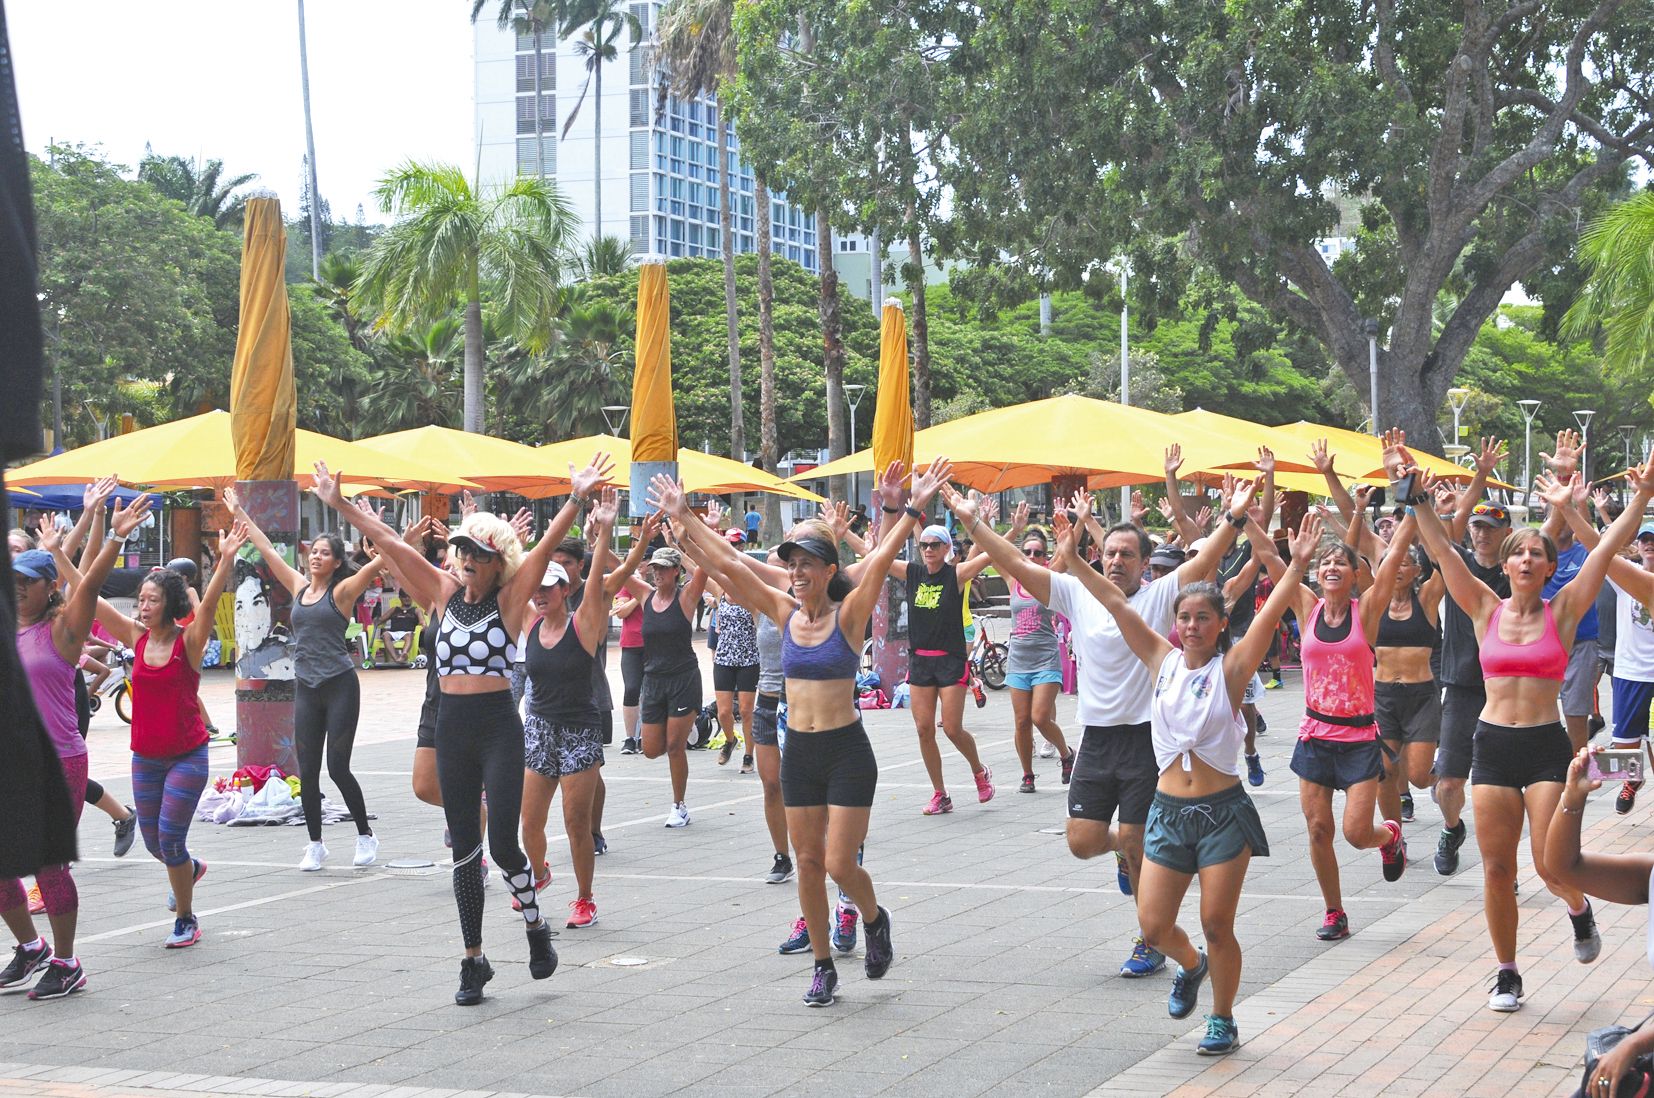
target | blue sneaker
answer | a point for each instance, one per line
(1143, 961)
(799, 940)
(844, 929)
(1121, 875)
(1186, 989)
(186, 931)
(1222, 1037)
(1254, 769)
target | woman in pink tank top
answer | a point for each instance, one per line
(1521, 750)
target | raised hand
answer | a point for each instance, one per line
(989, 510)
(1319, 457)
(667, 495)
(714, 513)
(1079, 504)
(1166, 511)
(963, 506)
(128, 518)
(1361, 493)
(232, 500)
(1446, 497)
(1139, 509)
(597, 472)
(1569, 451)
(891, 492)
(836, 514)
(1396, 457)
(1019, 518)
(98, 492)
(1490, 455)
(1240, 495)
(522, 524)
(467, 503)
(1582, 492)
(925, 486)
(650, 526)
(1555, 492)
(1302, 546)
(1228, 489)
(1203, 518)
(1266, 461)
(229, 544)
(1641, 478)
(608, 507)
(1599, 500)
(48, 536)
(368, 507)
(326, 487)
(414, 535)
(1174, 459)
(1065, 532)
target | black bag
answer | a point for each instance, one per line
(1599, 1043)
(705, 727)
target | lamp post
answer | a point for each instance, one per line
(1583, 416)
(1457, 398)
(614, 418)
(1626, 430)
(1125, 368)
(1369, 328)
(1530, 408)
(852, 397)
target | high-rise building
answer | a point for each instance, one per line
(659, 174)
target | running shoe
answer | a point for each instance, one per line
(879, 952)
(780, 869)
(1047, 749)
(984, 785)
(1272, 684)
(1587, 942)
(823, 985)
(1594, 724)
(447, 838)
(1335, 927)
(539, 886)
(314, 855)
(61, 978)
(679, 816)
(1222, 1036)
(473, 973)
(940, 804)
(728, 749)
(600, 845)
(186, 931)
(542, 955)
(125, 831)
(1263, 726)
(200, 871)
(1122, 874)
(845, 918)
(1506, 993)
(1254, 769)
(582, 913)
(1143, 960)
(1067, 765)
(976, 692)
(629, 746)
(1406, 808)
(797, 942)
(25, 962)
(1627, 800)
(746, 764)
(1027, 785)
(1394, 853)
(37, 903)
(1186, 988)
(367, 849)
(1447, 849)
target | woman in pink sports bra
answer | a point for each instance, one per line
(1521, 752)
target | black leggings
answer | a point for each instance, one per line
(631, 674)
(324, 722)
(94, 792)
(479, 747)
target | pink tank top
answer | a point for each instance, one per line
(631, 629)
(166, 717)
(1544, 658)
(52, 682)
(1338, 682)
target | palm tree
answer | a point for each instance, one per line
(416, 382)
(202, 188)
(336, 287)
(450, 241)
(602, 257)
(769, 449)
(695, 45)
(605, 21)
(1617, 252)
(534, 18)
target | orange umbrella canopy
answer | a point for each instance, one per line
(893, 414)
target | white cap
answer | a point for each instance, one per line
(554, 575)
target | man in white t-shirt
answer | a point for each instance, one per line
(1115, 769)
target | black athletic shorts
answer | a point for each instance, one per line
(1408, 711)
(1337, 764)
(939, 671)
(735, 680)
(668, 696)
(1115, 769)
(427, 714)
(1519, 757)
(827, 768)
(1461, 713)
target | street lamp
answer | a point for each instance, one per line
(1626, 430)
(852, 397)
(1458, 398)
(1369, 328)
(1530, 408)
(1583, 416)
(616, 425)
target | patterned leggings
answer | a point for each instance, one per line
(165, 792)
(57, 887)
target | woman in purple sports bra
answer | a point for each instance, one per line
(828, 772)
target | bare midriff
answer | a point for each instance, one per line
(820, 705)
(1200, 780)
(1515, 702)
(1404, 665)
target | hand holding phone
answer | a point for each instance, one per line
(1617, 765)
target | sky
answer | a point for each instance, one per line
(220, 79)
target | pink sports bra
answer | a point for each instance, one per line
(1544, 658)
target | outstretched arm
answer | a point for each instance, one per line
(668, 496)
(1205, 563)
(1323, 462)
(1474, 597)
(72, 626)
(284, 573)
(1179, 514)
(1579, 595)
(858, 605)
(1144, 642)
(1004, 555)
(1617, 878)
(1376, 602)
(200, 630)
(1248, 652)
(429, 585)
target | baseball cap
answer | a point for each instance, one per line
(555, 574)
(666, 557)
(735, 535)
(36, 564)
(1490, 514)
(1647, 531)
(1166, 556)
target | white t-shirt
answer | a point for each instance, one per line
(1115, 686)
(1633, 637)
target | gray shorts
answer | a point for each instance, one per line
(1461, 712)
(1579, 681)
(557, 750)
(1188, 834)
(1408, 711)
(764, 723)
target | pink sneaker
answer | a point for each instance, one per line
(1393, 853)
(940, 803)
(985, 785)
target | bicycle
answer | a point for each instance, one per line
(119, 684)
(988, 657)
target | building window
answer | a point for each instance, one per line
(640, 235)
(640, 106)
(548, 114)
(640, 192)
(548, 155)
(548, 70)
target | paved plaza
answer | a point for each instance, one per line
(1007, 950)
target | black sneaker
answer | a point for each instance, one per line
(823, 986)
(1447, 849)
(879, 952)
(62, 978)
(1594, 724)
(600, 845)
(473, 973)
(125, 831)
(25, 962)
(1587, 942)
(1406, 808)
(542, 955)
(746, 764)
(1027, 785)
(1068, 766)
(727, 750)
(1263, 725)
(780, 870)
(629, 746)
(1627, 800)
(1185, 993)
(1335, 927)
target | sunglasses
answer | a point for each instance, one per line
(1037, 554)
(1497, 513)
(477, 553)
(931, 545)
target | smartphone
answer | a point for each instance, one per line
(1617, 764)
(1405, 487)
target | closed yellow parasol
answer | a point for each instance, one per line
(893, 414)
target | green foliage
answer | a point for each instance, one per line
(201, 187)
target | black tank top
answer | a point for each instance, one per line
(1415, 631)
(935, 610)
(561, 677)
(668, 638)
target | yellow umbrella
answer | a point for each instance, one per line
(494, 463)
(700, 472)
(654, 421)
(199, 451)
(1361, 456)
(264, 405)
(893, 412)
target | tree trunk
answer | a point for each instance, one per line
(539, 123)
(473, 364)
(732, 318)
(597, 150)
(768, 444)
(920, 333)
(832, 352)
(310, 166)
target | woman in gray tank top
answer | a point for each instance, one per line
(1033, 668)
(327, 699)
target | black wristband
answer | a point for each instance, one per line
(890, 510)
(915, 512)
(1237, 521)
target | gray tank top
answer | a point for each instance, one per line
(319, 650)
(769, 655)
(1033, 646)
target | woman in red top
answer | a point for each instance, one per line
(169, 738)
(626, 608)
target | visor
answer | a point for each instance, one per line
(819, 548)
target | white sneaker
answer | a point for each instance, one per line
(314, 855)
(679, 816)
(1047, 749)
(367, 849)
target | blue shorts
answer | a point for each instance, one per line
(1027, 680)
(1187, 835)
(1631, 700)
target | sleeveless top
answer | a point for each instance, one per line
(935, 610)
(319, 651)
(1033, 645)
(631, 629)
(831, 659)
(1192, 714)
(1415, 631)
(471, 638)
(1338, 681)
(1544, 658)
(737, 635)
(562, 679)
(668, 638)
(769, 656)
(166, 717)
(52, 682)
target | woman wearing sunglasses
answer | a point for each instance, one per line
(479, 737)
(1033, 665)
